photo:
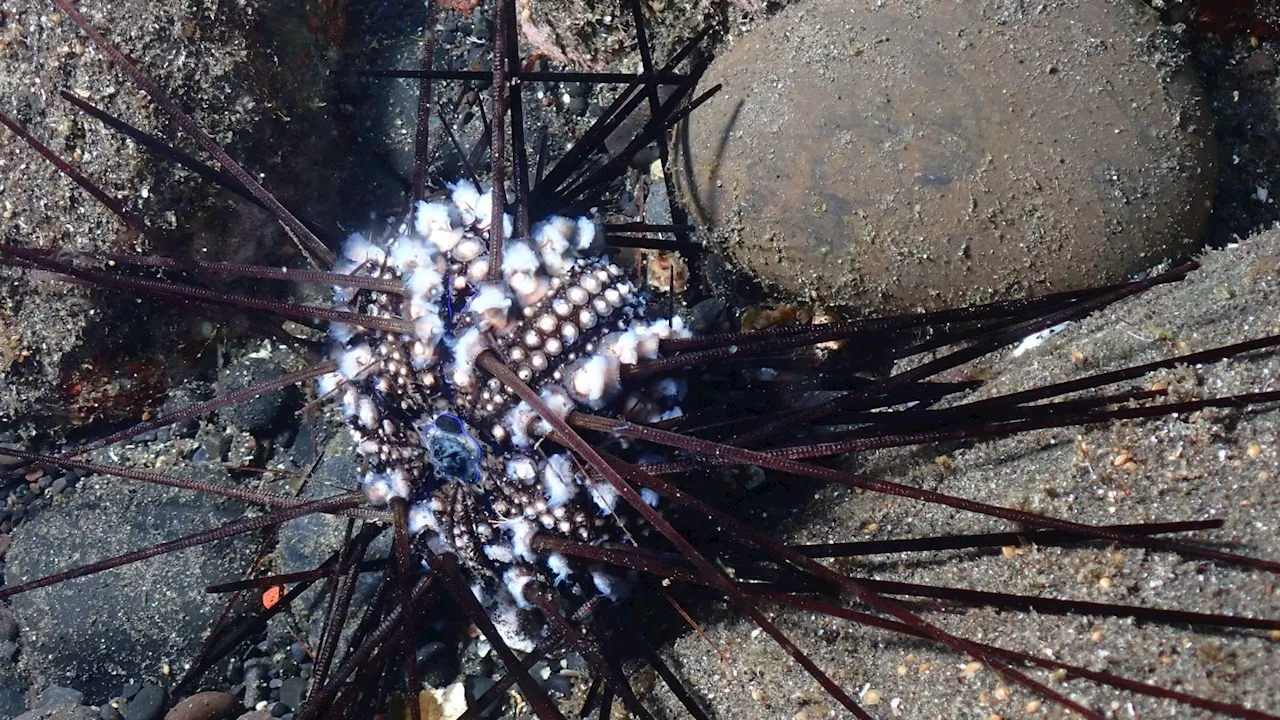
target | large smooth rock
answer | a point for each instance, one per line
(124, 624)
(930, 153)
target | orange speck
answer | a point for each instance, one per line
(272, 596)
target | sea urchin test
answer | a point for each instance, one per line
(458, 446)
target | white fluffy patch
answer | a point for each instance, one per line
(648, 337)
(466, 198)
(356, 361)
(557, 254)
(595, 380)
(522, 532)
(558, 481)
(557, 398)
(499, 554)
(360, 251)
(328, 384)
(421, 518)
(432, 216)
(516, 579)
(625, 346)
(350, 399)
(409, 253)
(379, 488)
(650, 497)
(609, 586)
(469, 249)
(484, 209)
(522, 469)
(520, 267)
(605, 497)
(427, 330)
(447, 239)
(341, 333)
(560, 567)
(465, 352)
(652, 334)
(367, 413)
(491, 305)
(506, 618)
(670, 388)
(519, 422)
(586, 234)
(424, 282)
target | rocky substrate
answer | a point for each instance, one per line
(112, 645)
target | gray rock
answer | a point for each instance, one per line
(148, 704)
(58, 695)
(12, 696)
(8, 626)
(292, 693)
(889, 156)
(258, 414)
(99, 630)
(60, 712)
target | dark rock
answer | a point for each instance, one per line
(108, 712)
(477, 685)
(559, 684)
(235, 671)
(13, 693)
(58, 695)
(148, 704)
(255, 715)
(129, 689)
(438, 664)
(891, 156)
(180, 398)
(8, 626)
(215, 446)
(306, 542)
(1261, 63)
(253, 680)
(60, 712)
(99, 630)
(292, 692)
(303, 450)
(256, 415)
(207, 705)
